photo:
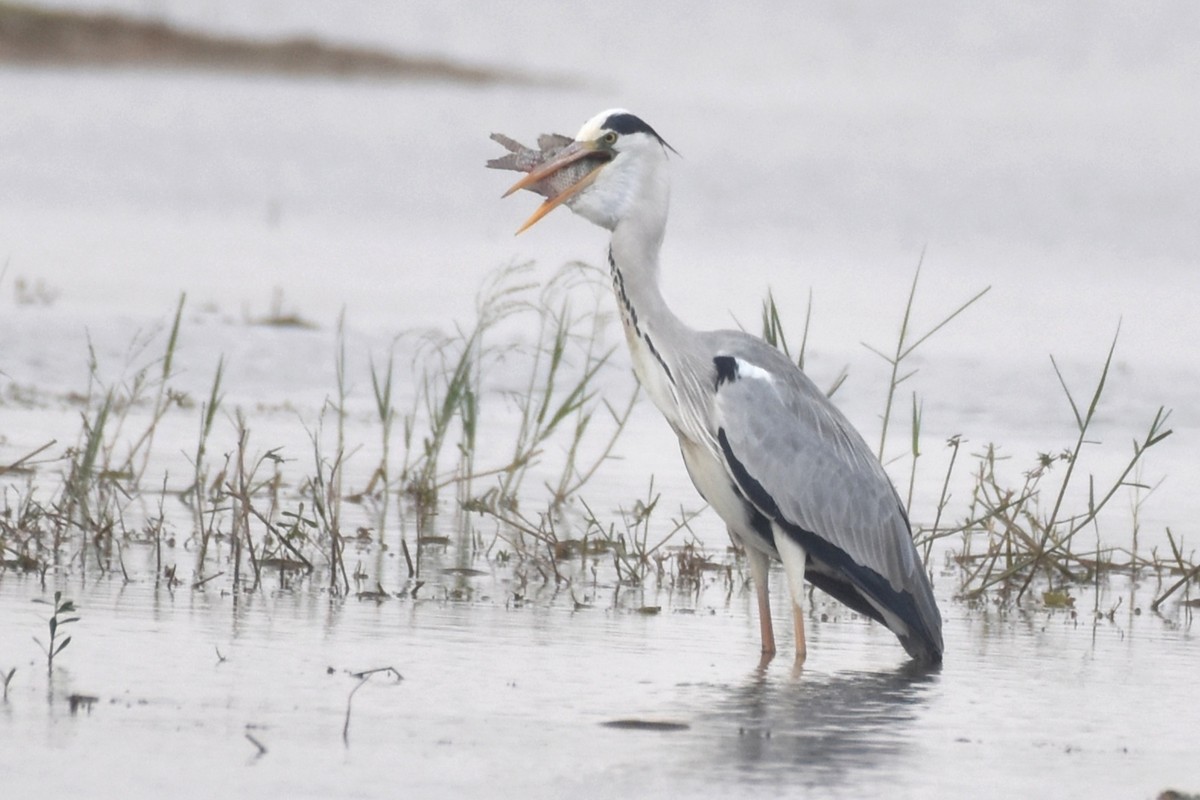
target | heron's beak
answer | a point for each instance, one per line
(573, 169)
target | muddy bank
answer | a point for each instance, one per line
(30, 36)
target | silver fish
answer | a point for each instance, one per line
(525, 159)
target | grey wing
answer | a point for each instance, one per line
(800, 462)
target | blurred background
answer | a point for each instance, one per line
(1050, 152)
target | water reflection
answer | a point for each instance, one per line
(817, 729)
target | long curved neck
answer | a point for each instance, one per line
(633, 261)
(652, 330)
(633, 258)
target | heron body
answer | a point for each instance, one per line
(786, 471)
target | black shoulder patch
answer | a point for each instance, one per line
(726, 370)
(625, 122)
(751, 488)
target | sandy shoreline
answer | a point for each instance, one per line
(36, 37)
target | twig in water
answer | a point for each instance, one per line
(203, 581)
(363, 677)
(17, 465)
(1189, 576)
(283, 540)
(262, 749)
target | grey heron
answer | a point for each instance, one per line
(786, 471)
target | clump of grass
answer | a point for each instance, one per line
(381, 390)
(634, 557)
(554, 402)
(1189, 569)
(1012, 535)
(324, 491)
(774, 334)
(239, 518)
(907, 344)
(531, 367)
(57, 620)
(448, 370)
(103, 469)
(558, 406)
(205, 493)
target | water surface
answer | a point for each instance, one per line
(1047, 154)
(509, 699)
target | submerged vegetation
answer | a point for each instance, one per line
(1013, 534)
(432, 482)
(1011, 538)
(487, 446)
(58, 618)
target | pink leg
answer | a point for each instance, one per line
(795, 561)
(759, 567)
(801, 643)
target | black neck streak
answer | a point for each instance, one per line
(630, 313)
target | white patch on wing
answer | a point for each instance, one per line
(736, 406)
(747, 370)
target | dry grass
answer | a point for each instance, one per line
(430, 491)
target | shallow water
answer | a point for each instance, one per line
(511, 699)
(824, 150)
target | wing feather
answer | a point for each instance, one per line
(788, 447)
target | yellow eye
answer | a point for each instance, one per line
(609, 138)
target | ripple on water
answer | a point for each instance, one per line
(497, 695)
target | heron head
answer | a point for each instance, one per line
(615, 162)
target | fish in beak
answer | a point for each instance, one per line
(558, 171)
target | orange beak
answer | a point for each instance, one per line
(550, 170)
